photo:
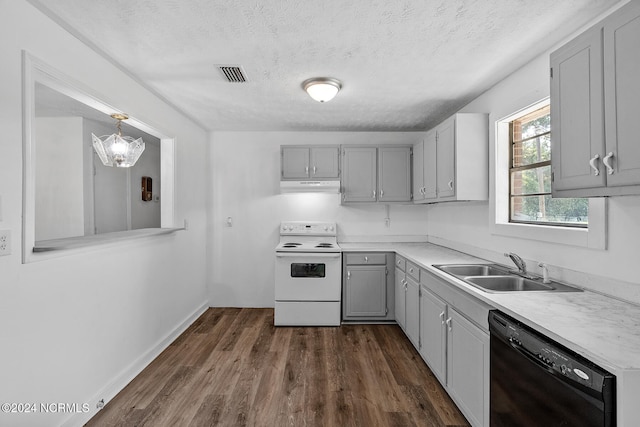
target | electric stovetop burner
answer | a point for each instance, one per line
(291, 245)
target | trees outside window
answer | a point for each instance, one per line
(530, 176)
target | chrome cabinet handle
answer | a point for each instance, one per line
(306, 170)
(592, 163)
(607, 164)
(442, 318)
(381, 193)
(366, 259)
(451, 185)
(449, 323)
(374, 194)
(314, 170)
(348, 275)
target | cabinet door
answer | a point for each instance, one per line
(295, 162)
(418, 172)
(445, 155)
(324, 162)
(622, 95)
(400, 298)
(468, 368)
(577, 115)
(394, 174)
(412, 311)
(366, 291)
(430, 162)
(433, 337)
(359, 174)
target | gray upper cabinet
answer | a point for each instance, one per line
(394, 174)
(445, 160)
(376, 174)
(577, 113)
(424, 169)
(622, 96)
(310, 162)
(359, 174)
(454, 162)
(595, 99)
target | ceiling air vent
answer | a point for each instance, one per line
(232, 73)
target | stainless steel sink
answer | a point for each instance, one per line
(509, 283)
(498, 278)
(473, 269)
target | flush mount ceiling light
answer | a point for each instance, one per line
(322, 89)
(117, 150)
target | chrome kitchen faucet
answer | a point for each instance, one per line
(519, 262)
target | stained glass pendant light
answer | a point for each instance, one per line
(117, 150)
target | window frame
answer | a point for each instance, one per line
(594, 236)
(524, 118)
(35, 71)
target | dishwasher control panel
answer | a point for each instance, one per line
(550, 355)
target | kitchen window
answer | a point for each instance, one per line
(588, 235)
(530, 200)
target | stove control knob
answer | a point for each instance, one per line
(331, 228)
(326, 228)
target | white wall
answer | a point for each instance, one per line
(466, 226)
(145, 214)
(75, 328)
(60, 177)
(246, 187)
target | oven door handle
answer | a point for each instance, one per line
(308, 255)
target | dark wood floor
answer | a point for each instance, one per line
(232, 367)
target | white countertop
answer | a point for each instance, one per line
(603, 329)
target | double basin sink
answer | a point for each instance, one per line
(497, 278)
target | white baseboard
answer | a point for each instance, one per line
(129, 373)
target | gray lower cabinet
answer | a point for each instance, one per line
(468, 367)
(400, 298)
(407, 303)
(367, 290)
(433, 333)
(454, 342)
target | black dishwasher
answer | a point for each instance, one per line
(537, 382)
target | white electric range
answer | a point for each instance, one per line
(308, 275)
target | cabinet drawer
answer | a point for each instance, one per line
(366, 258)
(413, 270)
(400, 262)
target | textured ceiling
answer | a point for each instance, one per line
(404, 64)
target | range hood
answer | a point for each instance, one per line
(324, 186)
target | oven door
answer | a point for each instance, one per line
(308, 276)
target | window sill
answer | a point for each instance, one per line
(99, 239)
(595, 237)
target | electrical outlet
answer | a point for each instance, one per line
(5, 242)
